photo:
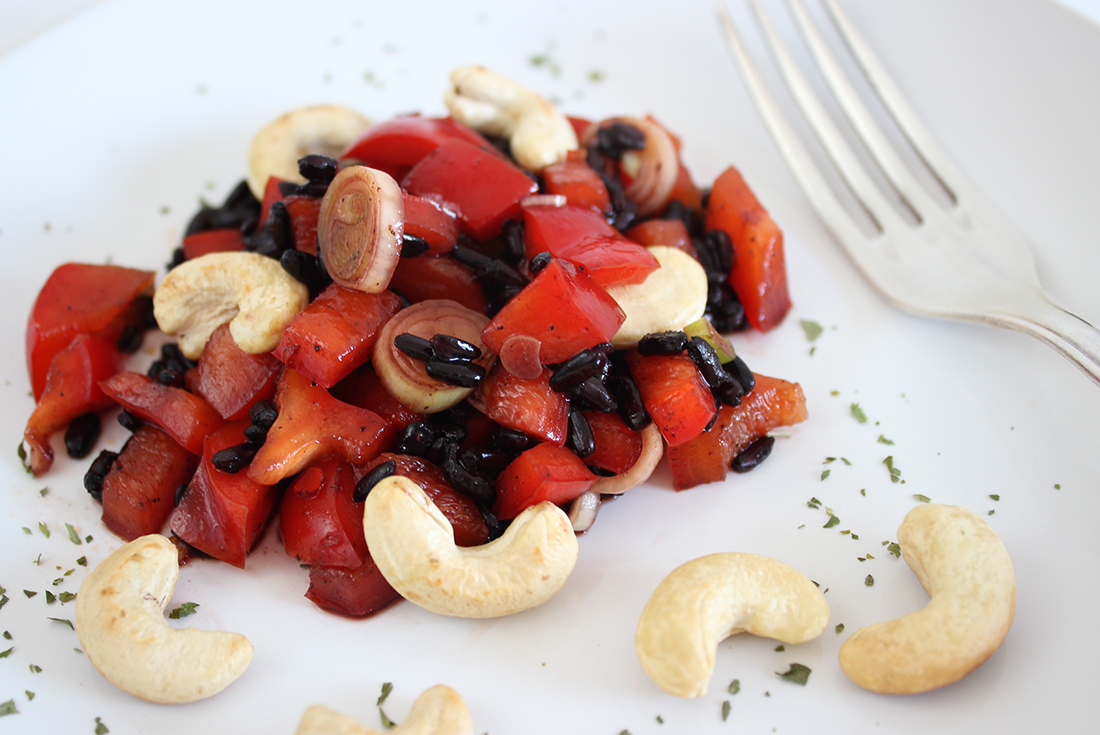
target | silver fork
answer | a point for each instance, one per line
(961, 261)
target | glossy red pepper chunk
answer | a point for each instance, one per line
(222, 514)
(230, 379)
(139, 491)
(312, 425)
(759, 272)
(319, 519)
(431, 277)
(563, 308)
(186, 417)
(671, 232)
(617, 445)
(527, 405)
(212, 241)
(545, 472)
(584, 237)
(356, 593)
(363, 388)
(304, 212)
(674, 393)
(81, 298)
(578, 183)
(427, 219)
(72, 388)
(396, 145)
(479, 186)
(335, 333)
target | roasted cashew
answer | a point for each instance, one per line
(440, 710)
(711, 598)
(413, 545)
(495, 105)
(250, 291)
(670, 298)
(275, 150)
(968, 575)
(121, 625)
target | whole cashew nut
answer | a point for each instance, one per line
(669, 299)
(440, 710)
(250, 291)
(276, 148)
(496, 105)
(711, 598)
(968, 575)
(412, 543)
(121, 625)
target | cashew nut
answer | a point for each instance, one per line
(670, 298)
(250, 291)
(275, 150)
(539, 135)
(121, 625)
(711, 598)
(968, 575)
(653, 448)
(440, 710)
(413, 545)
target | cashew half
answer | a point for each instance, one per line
(966, 571)
(121, 625)
(275, 150)
(250, 291)
(413, 545)
(538, 133)
(711, 598)
(669, 299)
(440, 710)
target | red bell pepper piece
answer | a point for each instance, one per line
(759, 272)
(335, 333)
(72, 388)
(357, 592)
(363, 388)
(671, 232)
(428, 220)
(545, 472)
(396, 145)
(230, 379)
(222, 514)
(674, 393)
(312, 425)
(563, 308)
(212, 241)
(771, 404)
(578, 183)
(584, 237)
(431, 277)
(617, 445)
(527, 405)
(139, 491)
(319, 520)
(81, 298)
(447, 173)
(304, 211)
(272, 194)
(186, 417)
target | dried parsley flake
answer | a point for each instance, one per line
(797, 674)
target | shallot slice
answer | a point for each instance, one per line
(650, 173)
(361, 228)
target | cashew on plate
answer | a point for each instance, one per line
(708, 599)
(669, 299)
(413, 544)
(122, 630)
(250, 291)
(440, 710)
(968, 575)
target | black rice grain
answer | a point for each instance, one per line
(82, 434)
(372, 478)
(755, 453)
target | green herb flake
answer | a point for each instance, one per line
(7, 636)
(30, 593)
(833, 520)
(869, 556)
(814, 503)
(839, 628)
(8, 708)
(825, 474)
(812, 329)
(660, 720)
(21, 452)
(596, 75)
(869, 581)
(29, 693)
(797, 674)
(82, 561)
(100, 728)
(922, 498)
(185, 609)
(991, 512)
(857, 413)
(1057, 486)
(5, 654)
(893, 548)
(780, 648)
(995, 497)
(42, 527)
(51, 598)
(725, 710)
(386, 721)
(3, 599)
(44, 490)
(27, 531)
(73, 535)
(35, 669)
(895, 473)
(387, 687)
(63, 620)
(883, 440)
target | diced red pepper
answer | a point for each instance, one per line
(230, 379)
(186, 417)
(527, 405)
(335, 333)
(771, 404)
(312, 425)
(429, 277)
(584, 237)
(319, 519)
(685, 191)
(545, 472)
(578, 183)
(674, 393)
(304, 211)
(80, 298)
(563, 308)
(212, 241)
(72, 388)
(671, 232)
(271, 195)
(357, 592)
(396, 145)
(579, 124)
(617, 445)
(446, 175)
(363, 388)
(759, 272)
(222, 514)
(139, 491)
(426, 219)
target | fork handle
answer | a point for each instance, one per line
(1076, 338)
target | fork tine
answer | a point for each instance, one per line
(802, 165)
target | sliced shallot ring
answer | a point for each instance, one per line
(653, 169)
(653, 448)
(406, 377)
(583, 511)
(361, 228)
(520, 356)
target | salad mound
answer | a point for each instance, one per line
(505, 306)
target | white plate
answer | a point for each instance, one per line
(115, 124)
